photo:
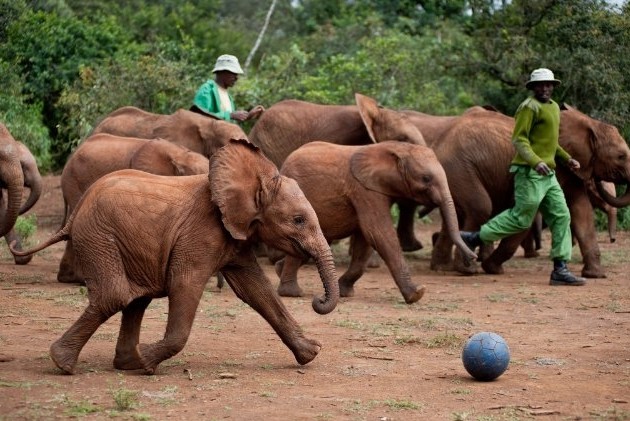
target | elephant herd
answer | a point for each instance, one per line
(157, 204)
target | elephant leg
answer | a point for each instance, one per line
(383, 239)
(373, 262)
(250, 284)
(68, 271)
(405, 231)
(183, 300)
(127, 353)
(220, 280)
(12, 236)
(65, 350)
(361, 254)
(505, 250)
(583, 228)
(288, 270)
(442, 253)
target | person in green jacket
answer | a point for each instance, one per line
(535, 137)
(214, 100)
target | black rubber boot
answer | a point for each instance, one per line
(562, 276)
(472, 239)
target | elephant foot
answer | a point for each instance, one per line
(345, 289)
(128, 360)
(466, 269)
(530, 254)
(289, 289)
(22, 260)
(415, 295)
(410, 244)
(492, 268)
(306, 351)
(60, 357)
(593, 273)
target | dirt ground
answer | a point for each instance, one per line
(381, 359)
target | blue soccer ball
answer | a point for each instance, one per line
(486, 356)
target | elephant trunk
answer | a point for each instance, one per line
(612, 224)
(35, 185)
(617, 202)
(14, 184)
(327, 273)
(449, 216)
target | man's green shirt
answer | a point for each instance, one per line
(536, 133)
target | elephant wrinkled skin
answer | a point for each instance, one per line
(201, 134)
(289, 124)
(101, 154)
(352, 189)
(139, 236)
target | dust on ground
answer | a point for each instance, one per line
(381, 359)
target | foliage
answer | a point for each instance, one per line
(148, 82)
(64, 64)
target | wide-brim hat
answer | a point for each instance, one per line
(228, 63)
(541, 75)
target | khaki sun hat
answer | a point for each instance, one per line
(229, 63)
(541, 75)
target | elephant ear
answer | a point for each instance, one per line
(368, 108)
(380, 168)
(239, 175)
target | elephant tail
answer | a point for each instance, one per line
(61, 235)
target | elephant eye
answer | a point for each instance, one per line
(299, 219)
(426, 178)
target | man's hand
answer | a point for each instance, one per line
(239, 115)
(543, 169)
(574, 164)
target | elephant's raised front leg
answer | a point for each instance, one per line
(127, 351)
(249, 283)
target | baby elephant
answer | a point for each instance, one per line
(101, 154)
(352, 189)
(139, 236)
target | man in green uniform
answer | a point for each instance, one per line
(213, 98)
(535, 137)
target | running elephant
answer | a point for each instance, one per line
(352, 189)
(140, 236)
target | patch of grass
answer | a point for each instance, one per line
(407, 340)
(445, 340)
(267, 394)
(79, 408)
(350, 324)
(359, 406)
(497, 297)
(26, 227)
(401, 405)
(125, 399)
(461, 391)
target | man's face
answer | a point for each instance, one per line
(226, 79)
(542, 91)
